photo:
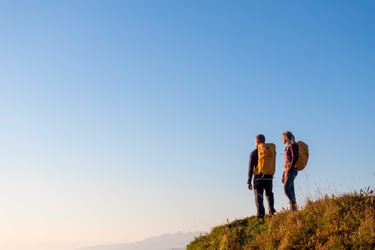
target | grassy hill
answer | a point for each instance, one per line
(344, 222)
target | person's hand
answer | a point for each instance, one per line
(287, 167)
(250, 186)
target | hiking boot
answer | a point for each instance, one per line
(272, 212)
(260, 220)
(293, 207)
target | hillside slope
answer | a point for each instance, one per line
(344, 222)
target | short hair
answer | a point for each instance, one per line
(261, 138)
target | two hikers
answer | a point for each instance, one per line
(262, 168)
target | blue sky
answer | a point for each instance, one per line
(126, 119)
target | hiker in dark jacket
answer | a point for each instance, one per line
(261, 183)
(290, 171)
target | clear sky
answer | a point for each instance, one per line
(121, 120)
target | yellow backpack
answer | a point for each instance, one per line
(266, 159)
(303, 155)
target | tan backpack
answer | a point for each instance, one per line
(303, 155)
(266, 159)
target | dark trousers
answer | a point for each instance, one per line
(261, 185)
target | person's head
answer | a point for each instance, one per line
(259, 139)
(288, 138)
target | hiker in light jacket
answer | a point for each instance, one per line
(290, 171)
(261, 183)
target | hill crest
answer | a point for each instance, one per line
(336, 222)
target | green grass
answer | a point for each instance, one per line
(343, 222)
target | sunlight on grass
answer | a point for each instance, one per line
(330, 222)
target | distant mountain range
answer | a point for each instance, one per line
(177, 241)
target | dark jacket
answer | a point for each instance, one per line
(253, 163)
